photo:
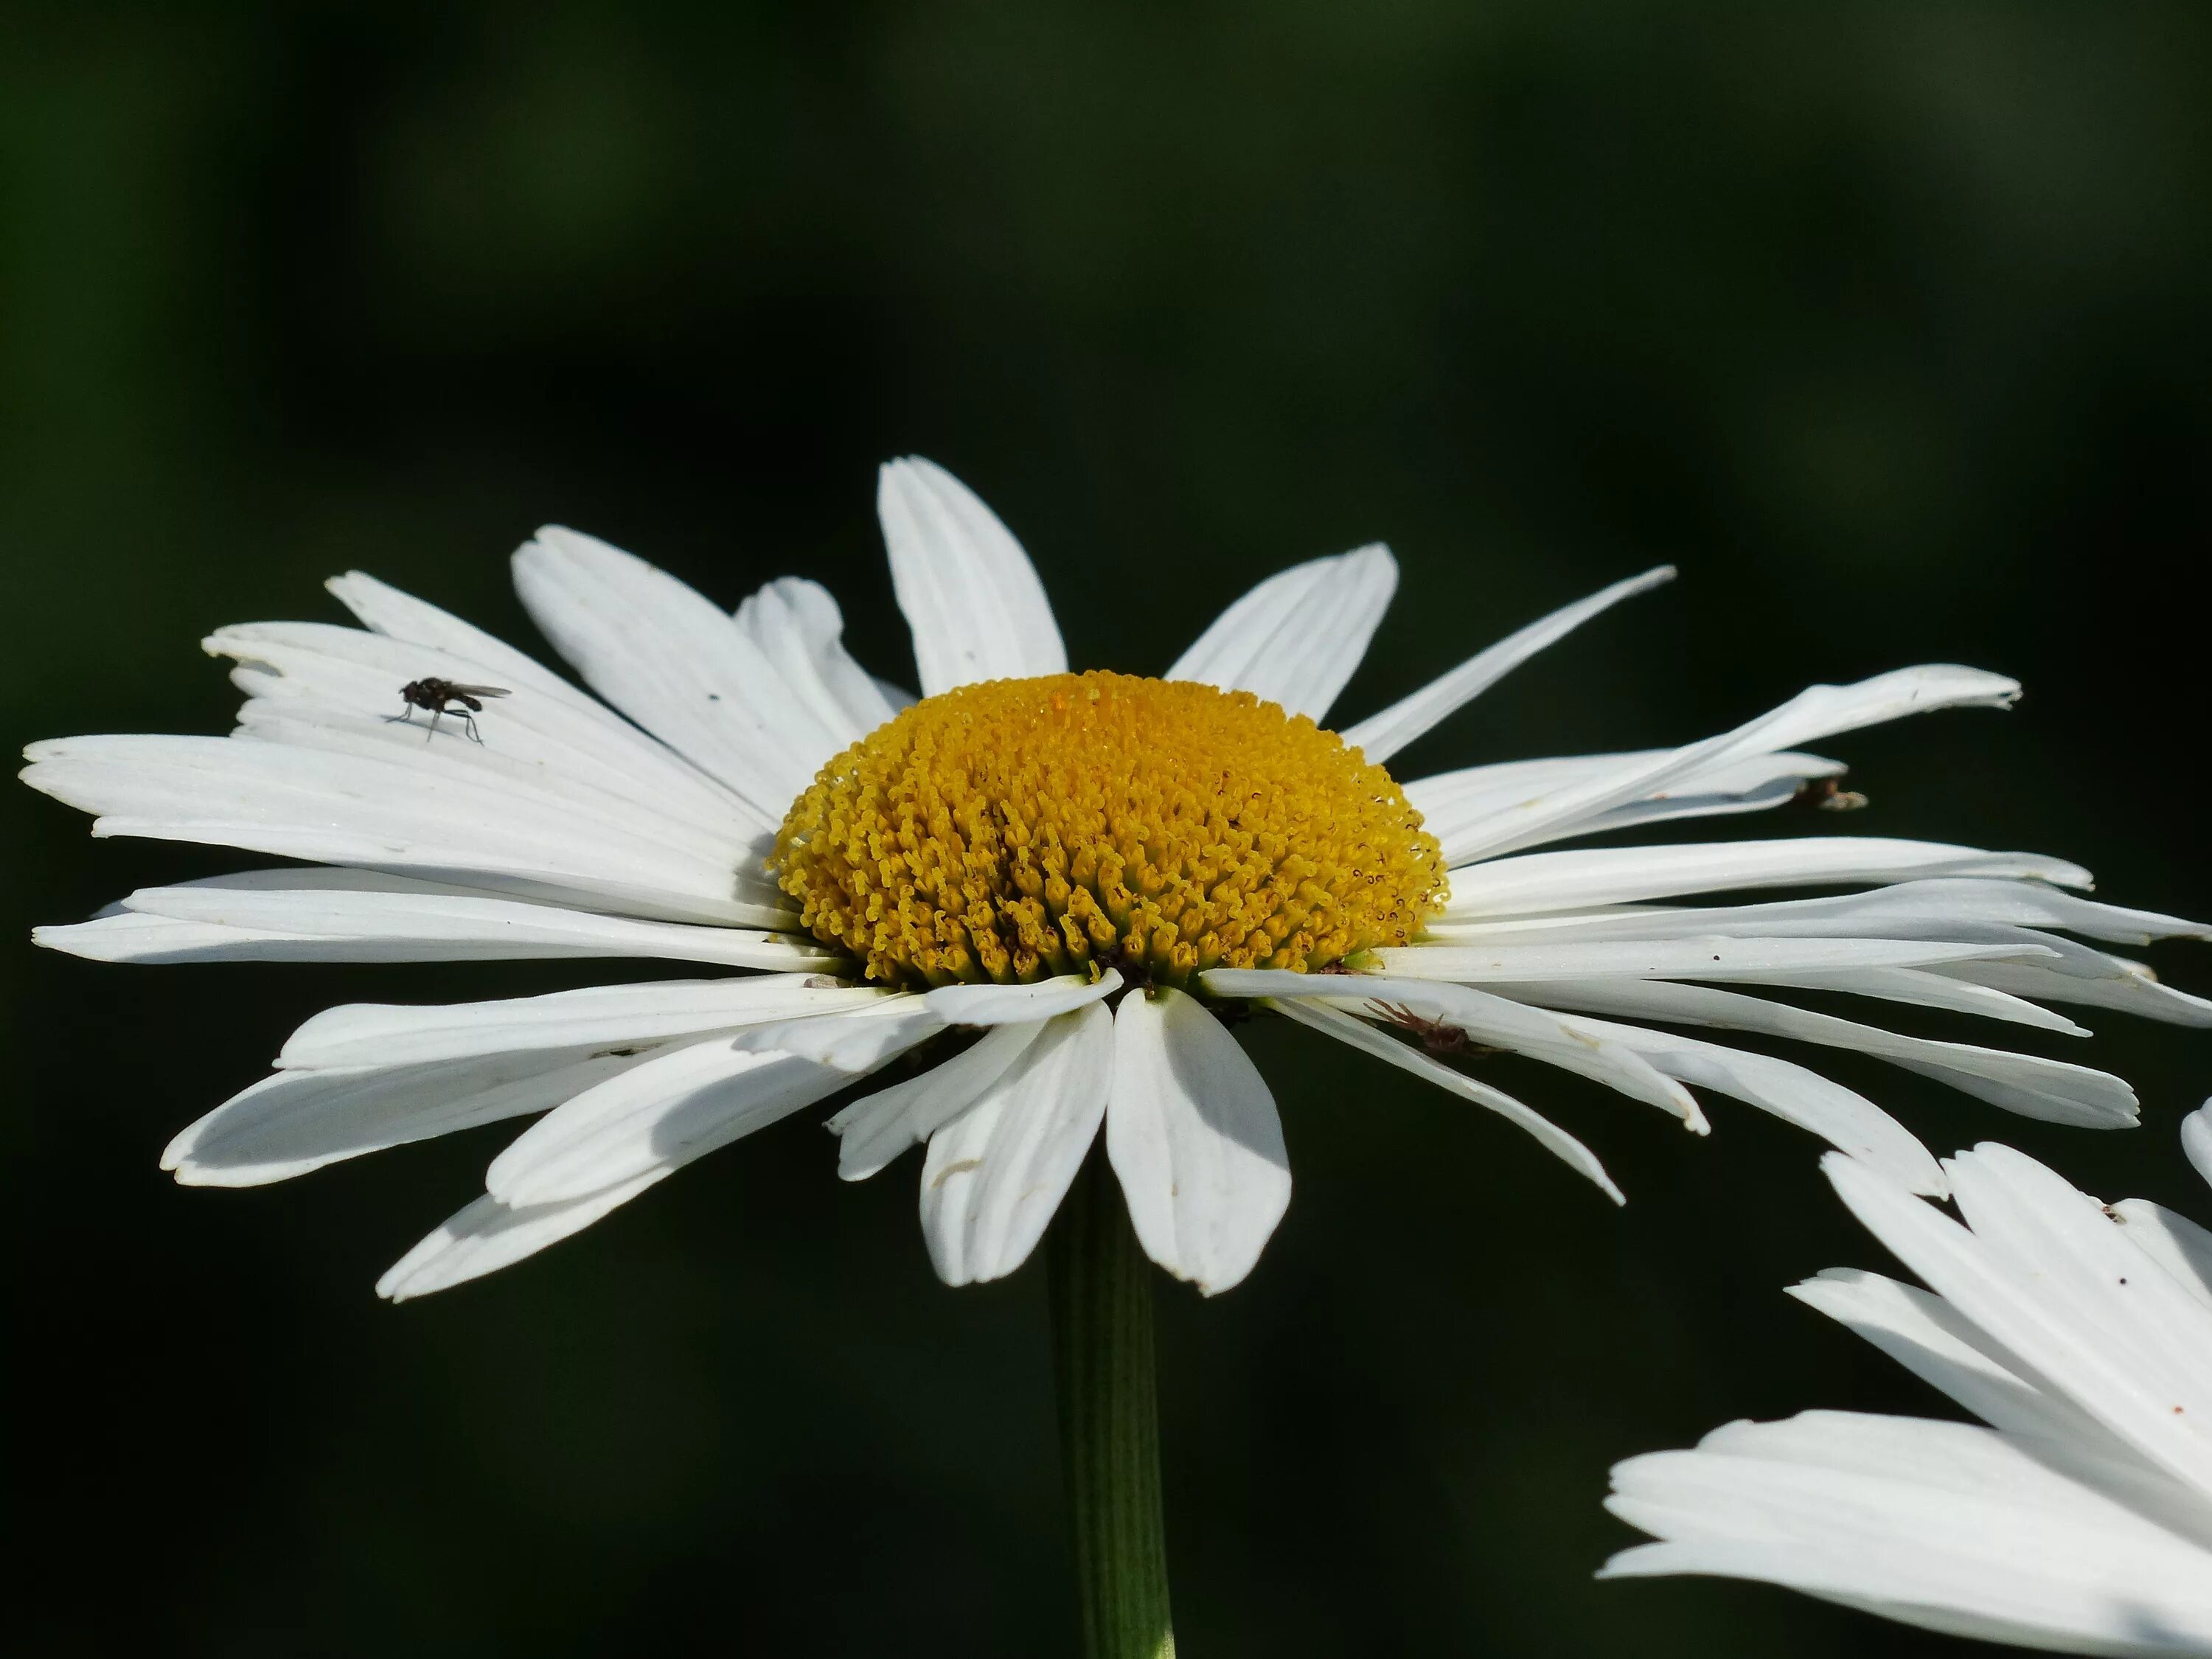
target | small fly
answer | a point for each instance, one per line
(438, 698)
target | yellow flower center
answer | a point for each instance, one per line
(1019, 829)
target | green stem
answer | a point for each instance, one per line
(1110, 1425)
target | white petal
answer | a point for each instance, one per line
(1823, 711)
(1759, 960)
(2033, 906)
(123, 936)
(487, 1236)
(1469, 809)
(1381, 736)
(1757, 785)
(1980, 913)
(296, 1122)
(2196, 1139)
(677, 1106)
(1926, 988)
(2091, 1347)
(1940, 1524)
(2125, 986)
(1929, 1338)
(400, 616)
(397, 811)
(1818, 712)
(2028, 1083)
(1840, 1116)
(1542, 882)
(877, 1128)
(1935, 1342)
(1296, 638)
(604, 1148)
(691, 874)
(1891, 912)
(1902, 912)
(854, 1041)
(2064, 1241)
(1920, 987)
(341, 684)
(995, 1173)
(377, 918)
(673, 662)
(968, 591)
(1970, 911)
(1451, 802)
(2174, 1242)
(390, 1034)
(1492, 1021)
(799, 628)
(1345, 1028)
(1194, 1138)
(996, 1005)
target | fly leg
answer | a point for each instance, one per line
(460, 711)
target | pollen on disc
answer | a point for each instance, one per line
(1016, 830)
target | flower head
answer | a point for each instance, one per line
(1009, 831)
(1044, 884)
(2079, 1519)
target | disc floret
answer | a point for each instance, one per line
(1014, 829)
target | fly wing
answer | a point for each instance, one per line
(479, 691)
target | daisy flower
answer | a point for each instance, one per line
(1038, 890)
(2079, 1520)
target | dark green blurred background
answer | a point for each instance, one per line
(1889, 325)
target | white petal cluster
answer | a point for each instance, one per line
(635, 823)
(2079, 1520)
